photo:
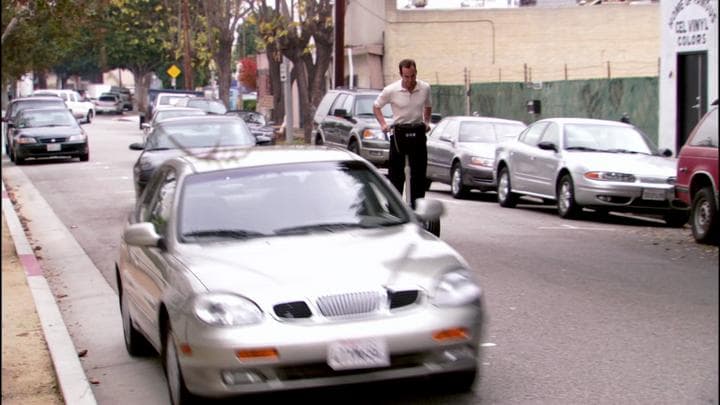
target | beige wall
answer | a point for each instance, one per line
(497, 44)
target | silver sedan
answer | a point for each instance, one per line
(282, 268)
(576, 162)
(461, 151)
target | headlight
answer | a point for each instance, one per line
(373, 134)
(482, 161)
(610, 176)
(77, 137)
(455, 289)
(25, 139)
(226, 310)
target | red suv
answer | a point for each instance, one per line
(697, 177)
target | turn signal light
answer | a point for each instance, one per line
(262, 353)
(451, 334)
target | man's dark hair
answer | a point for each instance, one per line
(407, 63)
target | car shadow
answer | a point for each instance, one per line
(593, 216)
(49, 160)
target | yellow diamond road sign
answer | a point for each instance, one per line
(174, 71)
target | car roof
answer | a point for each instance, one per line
(586, 121)
(248, 157)
(43, 109)
(483, 119)
(200, 119)
(35, 98)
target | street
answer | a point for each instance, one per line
(606, 310)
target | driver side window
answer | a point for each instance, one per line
(159, 208)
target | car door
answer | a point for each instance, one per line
(444, 151)
(345, 124)
(522, 158)
(435, 141)
(546, 162)
(329, 125)
(145, 279)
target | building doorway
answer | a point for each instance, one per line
(691, 93)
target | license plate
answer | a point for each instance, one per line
(352, 354)
(53, 147)
(653, 195)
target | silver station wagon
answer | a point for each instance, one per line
(280, 268)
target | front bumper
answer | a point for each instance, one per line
(376, 151)
(636, 197)
(40, 150)
(213, 369)
(479, 177)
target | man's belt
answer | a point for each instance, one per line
(410, 127)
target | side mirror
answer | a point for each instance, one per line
(545, 145)
(136, 146)
(341, 112)
(667, 152)
(141, 234)
(429, 209)
(144, 125)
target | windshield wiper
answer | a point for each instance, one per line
(223, 233)
(329, 227)
(583, 148)
(160, 148)
(622, 151)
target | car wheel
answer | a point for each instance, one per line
(318, 140)
(354, 147)
(135, 342)
(89, 117)
(84, 157)
(11, 154)
(566, 205)
(428, 183)
(179, 395)
(506, 197)
(433, 227)
(18, 160)
(704, 220)
(457, 188)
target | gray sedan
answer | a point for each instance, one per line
(292, 267)
(461, 151)
(576, 162)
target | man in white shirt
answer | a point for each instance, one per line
(411, 106)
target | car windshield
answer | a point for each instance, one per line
(35, 119)
(508, 131)
(288, 199)
(477, 132)
(165, 114)
(364, 106)
(253, 118)
(178, 135)
(27, 104)
(607, 138)
(111, 99)
(211, 107)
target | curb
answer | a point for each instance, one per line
(73, 382)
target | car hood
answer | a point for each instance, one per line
(637, 164)
(371, 121)
(49, 132)
(322, 263)
(478, 148)
(157, 157)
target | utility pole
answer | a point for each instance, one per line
(339, 43)
(187, 62)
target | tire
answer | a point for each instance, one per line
(506, 198)
(318, 140)
(457, 188)
(179, 395)
(704, 217)
(89, 116)
(84, 157)
(353, 147)
(135, 343)
(433, 227)
(459, 382)
(566, 205)
(428, 183)
(11, 154)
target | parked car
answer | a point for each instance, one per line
(47, 132)
(461, 151)
(22, 103)
(160, 98)
(259, 126)
(80, 106)
(201, 135)
(125, 96)
(109, 103)
(170, 112)
(697, 177)
(345, 118)
(217, 273)
(209, 105)
(599, 164)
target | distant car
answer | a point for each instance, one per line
(461, 151)
(259, 126)
(209, 105)
(80, 107)
(697, 178)
(599, 164)
(161, 98)
(109, 103)
(202, 135)
(170, 112)
(47, 132)
(345, 118)
(22, 103)
(125, 96)
(218, 271)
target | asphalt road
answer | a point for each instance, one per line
(602, 310)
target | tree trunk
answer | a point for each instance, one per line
(142, 83)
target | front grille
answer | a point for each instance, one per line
(322, 370)
(52, 140)
(351, 303)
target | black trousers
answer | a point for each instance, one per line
(409, 140)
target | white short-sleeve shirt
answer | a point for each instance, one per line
(407, 107)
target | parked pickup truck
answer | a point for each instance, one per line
(80, 107)
(167, 97)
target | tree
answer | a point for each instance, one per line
(303, 33)
(248, 75)
(222, 21)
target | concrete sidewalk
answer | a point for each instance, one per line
(39, 362)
